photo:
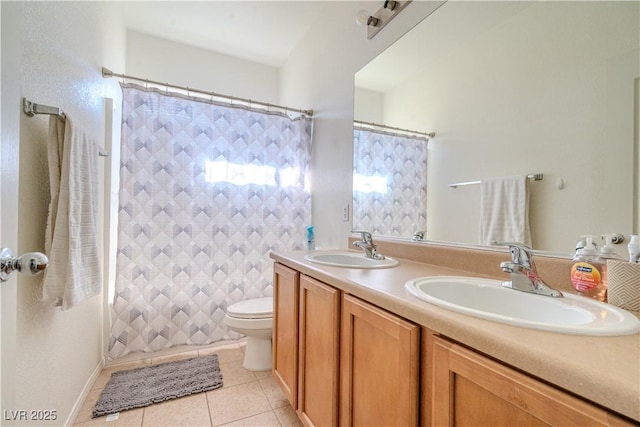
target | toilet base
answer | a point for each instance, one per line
(257, 355)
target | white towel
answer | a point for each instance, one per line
(73, 274)
(504, 210)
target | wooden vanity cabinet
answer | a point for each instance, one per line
(379, 368)
(285, 331)
(355, 364)
(319, 341)
(464, 388)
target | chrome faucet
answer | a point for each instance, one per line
(418, 236)
(524, 276)
(367, 245)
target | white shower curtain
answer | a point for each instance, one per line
(206, 192)
(390, 183)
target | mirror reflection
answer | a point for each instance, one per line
(510, 89)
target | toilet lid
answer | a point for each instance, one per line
(258, 308)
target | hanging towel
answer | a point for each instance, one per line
(504, 210)
(73, 274)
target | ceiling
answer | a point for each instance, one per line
(260, 31)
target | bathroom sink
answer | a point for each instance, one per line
(349, 260)
(487, 299)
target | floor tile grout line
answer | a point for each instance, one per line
(265, 395)
(206, 397)
(250, 416)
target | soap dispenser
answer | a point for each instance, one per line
(586, 273)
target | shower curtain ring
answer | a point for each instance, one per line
(146, 84)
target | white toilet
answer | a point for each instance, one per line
(253, 318)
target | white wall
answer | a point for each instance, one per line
(369, 106)
(319, 75)
(489, 102)
(9, 153)
(63, 47)
(167, 61)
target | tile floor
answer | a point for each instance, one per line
(246, 399)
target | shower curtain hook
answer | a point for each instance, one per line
(146, 84)
(188, 93)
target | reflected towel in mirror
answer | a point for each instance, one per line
(504, 210)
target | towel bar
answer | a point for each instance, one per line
(533, 176)
(31, 109)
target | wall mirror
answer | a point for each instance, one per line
(514, 88)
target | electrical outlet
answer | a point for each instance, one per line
(345, 213)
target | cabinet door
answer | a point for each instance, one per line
(319, 352)
(464, 388)
(379, 367)
(285, 330)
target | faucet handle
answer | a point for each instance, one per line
(366, 236)
(520, 253)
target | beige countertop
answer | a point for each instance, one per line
(603, 370)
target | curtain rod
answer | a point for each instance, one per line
(533, 176)
(106, 73)
(427, 134)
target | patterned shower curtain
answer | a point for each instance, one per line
(206, 192)
(390, 183)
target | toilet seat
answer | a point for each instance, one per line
(247, 326)
(257, 308)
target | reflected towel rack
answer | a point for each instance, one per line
(533, 176)
(31, 109)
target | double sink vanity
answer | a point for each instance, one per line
(429, 336)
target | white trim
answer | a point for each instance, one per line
(88, 386)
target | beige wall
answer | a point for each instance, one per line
(492, 122)
(63, 46)
(369, 106)
(166, 61)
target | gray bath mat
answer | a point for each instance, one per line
(136, 388)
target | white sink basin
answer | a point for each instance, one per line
(487, 299)
(349, 260)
